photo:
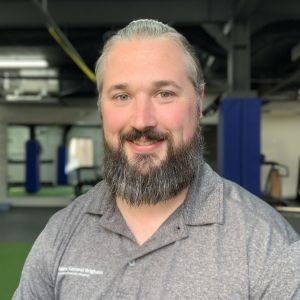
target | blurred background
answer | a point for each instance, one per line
(51, 147)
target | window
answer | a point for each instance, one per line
(81, 153)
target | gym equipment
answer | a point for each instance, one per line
(61, 164)
(32, 175)
(84, 176)
(273, 187)
(239, 142)
(39, 115)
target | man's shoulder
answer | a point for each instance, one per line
(215, 200)
(239, 200)
(249, 210)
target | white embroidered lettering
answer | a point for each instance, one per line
(75, 271)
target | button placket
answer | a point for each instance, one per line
(131, 263)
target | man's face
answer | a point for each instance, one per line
(146, 89)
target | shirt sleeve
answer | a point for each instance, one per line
(36, 278)
(281, 278)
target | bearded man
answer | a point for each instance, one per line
(162, 225)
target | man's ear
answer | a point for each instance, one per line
(99, 107)
(201, 97)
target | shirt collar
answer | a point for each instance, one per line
(100, 199)
(203, 205)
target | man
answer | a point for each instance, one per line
(162, 225)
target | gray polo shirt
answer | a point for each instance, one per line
(222, 243)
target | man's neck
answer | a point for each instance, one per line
(143, 221)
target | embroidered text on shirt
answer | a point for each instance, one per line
(85, 272)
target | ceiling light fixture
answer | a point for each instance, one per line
(20, 63)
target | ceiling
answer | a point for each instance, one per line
(274, 37)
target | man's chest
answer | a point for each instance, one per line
(101, 264)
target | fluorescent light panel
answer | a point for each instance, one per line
(9, 63)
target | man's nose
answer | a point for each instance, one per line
(143, 114)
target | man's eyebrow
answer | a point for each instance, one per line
(156, 84)
(118, 86)
(163, 83)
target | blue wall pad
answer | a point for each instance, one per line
(32, 175)
(61, 165)
(239, 142)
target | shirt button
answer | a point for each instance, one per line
(132, 263)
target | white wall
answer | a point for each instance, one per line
(49, 137)
(16, 137)
(280, 142)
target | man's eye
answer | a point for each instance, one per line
(122, 97)
(165, 94)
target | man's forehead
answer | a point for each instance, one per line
(151, 44)
(147, 62)
(145, 53)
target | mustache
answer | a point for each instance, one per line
(148, 133)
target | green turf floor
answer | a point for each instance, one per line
(53, 191)
(12, 258)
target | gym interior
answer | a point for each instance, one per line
(50, 129)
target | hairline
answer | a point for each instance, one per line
(186, 55)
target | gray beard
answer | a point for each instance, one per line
(156, 183)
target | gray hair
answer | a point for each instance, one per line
(145, 28)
